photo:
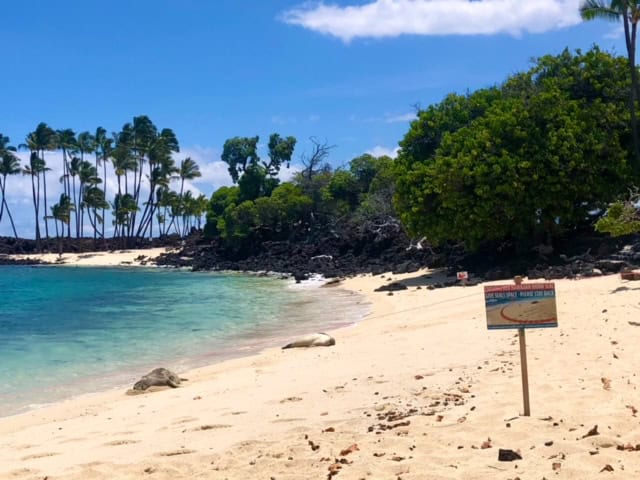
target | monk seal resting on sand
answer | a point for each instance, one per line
(159, 377)
(313, 340)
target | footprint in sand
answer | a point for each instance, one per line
(291, 399)
(39, 455)
(116, 443)
(24, 447)
(181, 420)
(173, 453)
(212, 427)
(284, 420)
(72, 440)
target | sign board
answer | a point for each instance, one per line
(462, 276)
(531, 305)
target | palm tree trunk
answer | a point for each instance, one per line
(35, 208)
(104, 171)
(13, 225)
(81, 226)
(3, 185)
(44, 185)
(75, 210)
(630, 39)
(67, 186)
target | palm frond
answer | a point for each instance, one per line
(599, 9)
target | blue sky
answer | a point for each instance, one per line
(347, 71)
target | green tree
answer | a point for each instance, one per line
(621, 218)
(280, 151)
(220, 200)
(629, 12)
(238, 153)
(344, 190)
(239, 222)
(549, 150)
(378, 184)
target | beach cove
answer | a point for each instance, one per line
(67, 331)
(419, 390)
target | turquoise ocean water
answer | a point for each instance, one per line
(69, 331)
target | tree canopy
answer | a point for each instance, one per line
(527, 161)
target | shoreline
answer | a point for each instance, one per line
(422, 350)
(116, 258)
(241, 342)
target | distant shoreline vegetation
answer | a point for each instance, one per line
(540, 156)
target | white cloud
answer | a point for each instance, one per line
(214, 171)
(387, 118)
(405, 117)
(280, 120)
(379, 151)
(287, 174)
(391, 18)
(615, 33)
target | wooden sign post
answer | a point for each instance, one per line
(521, 306)
(525, 372)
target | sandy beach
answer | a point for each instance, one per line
(117, 258)
(419, 390)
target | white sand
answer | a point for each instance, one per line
(426, 354)
(134, 257)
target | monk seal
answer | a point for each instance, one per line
(159, 377)
(313, 340)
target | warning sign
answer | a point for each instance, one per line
(530, 305)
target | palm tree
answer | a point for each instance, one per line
(86, 144)
(189, 170)
(9, 165)
(143, 134)
(42, 139)
(94, 199)
(629, 12)
(61, 212)
(34, 169)
(68, 144)
(123, 162)
(201, 205)
(124, 205)
(74, 170)
(87, 176)
(168, 200)
(104, 147)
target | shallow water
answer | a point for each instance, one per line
(67, 331)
